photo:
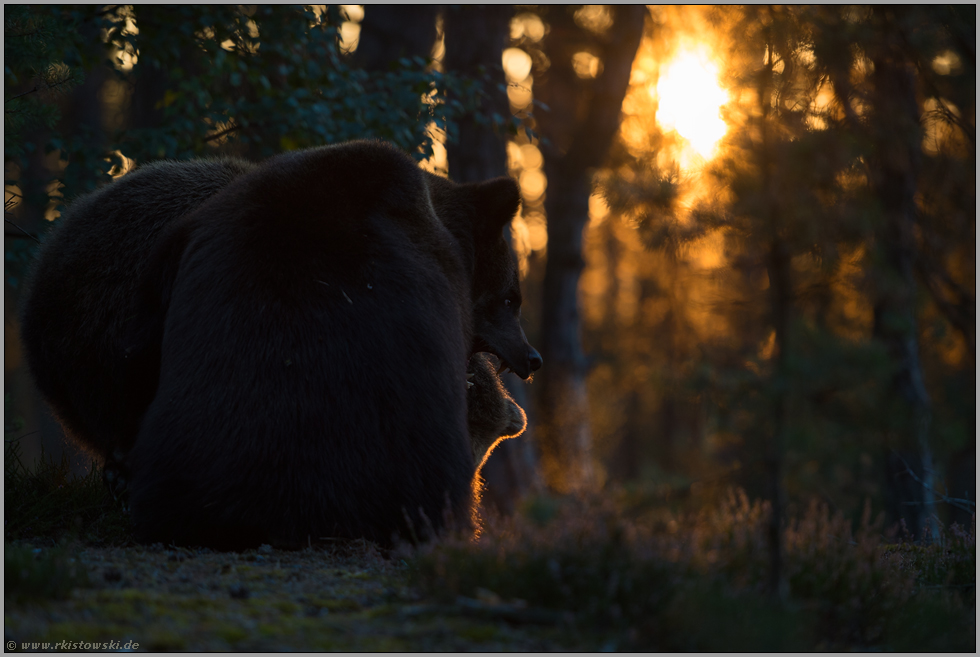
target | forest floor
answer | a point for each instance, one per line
(612, 571)
(347, 598)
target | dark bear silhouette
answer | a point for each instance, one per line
(83, 286)
(303, 336)
(492, 414)
(82, 290)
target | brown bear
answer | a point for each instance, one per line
(311, 325)
(492, 414)
(82, 292)
(83, 286)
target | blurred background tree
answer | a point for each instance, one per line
(591, 51)
(747, 238)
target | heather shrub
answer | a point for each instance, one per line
(846, 576)
(576, 556)
(696, 581)
(727, 540)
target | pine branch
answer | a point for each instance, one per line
(54, 86)
(25, 233)
(30, 91)
(219, 135)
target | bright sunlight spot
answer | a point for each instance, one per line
(690, 97)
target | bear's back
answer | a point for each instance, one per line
(83, 285)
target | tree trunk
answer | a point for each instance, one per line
(897, 137)
(389, 32)
(778, 268)
(580, 126)
(475, 38)
(151, 79)
(780, 288)
(151, 75)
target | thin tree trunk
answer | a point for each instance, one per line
(780, 287)
(626, 461)
(897, 138)
(475, 37)
(672, 404)
(778, 267)
(582, 122)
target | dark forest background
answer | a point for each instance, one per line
(794, 316)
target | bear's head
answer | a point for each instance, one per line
(476, 214)
(492, 414)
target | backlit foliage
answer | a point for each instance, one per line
(257, 79)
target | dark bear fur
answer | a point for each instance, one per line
(83, 288)
(496, 289)
(311, 325)
(492, 414)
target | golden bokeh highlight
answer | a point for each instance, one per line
(533, 184)
(527, 26)
(586, 65)
(517, 64)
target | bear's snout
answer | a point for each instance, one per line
(534, 359)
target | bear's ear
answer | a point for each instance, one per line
(496, 202)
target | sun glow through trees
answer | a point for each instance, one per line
(690, 99)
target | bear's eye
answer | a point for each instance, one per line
(507, 302)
